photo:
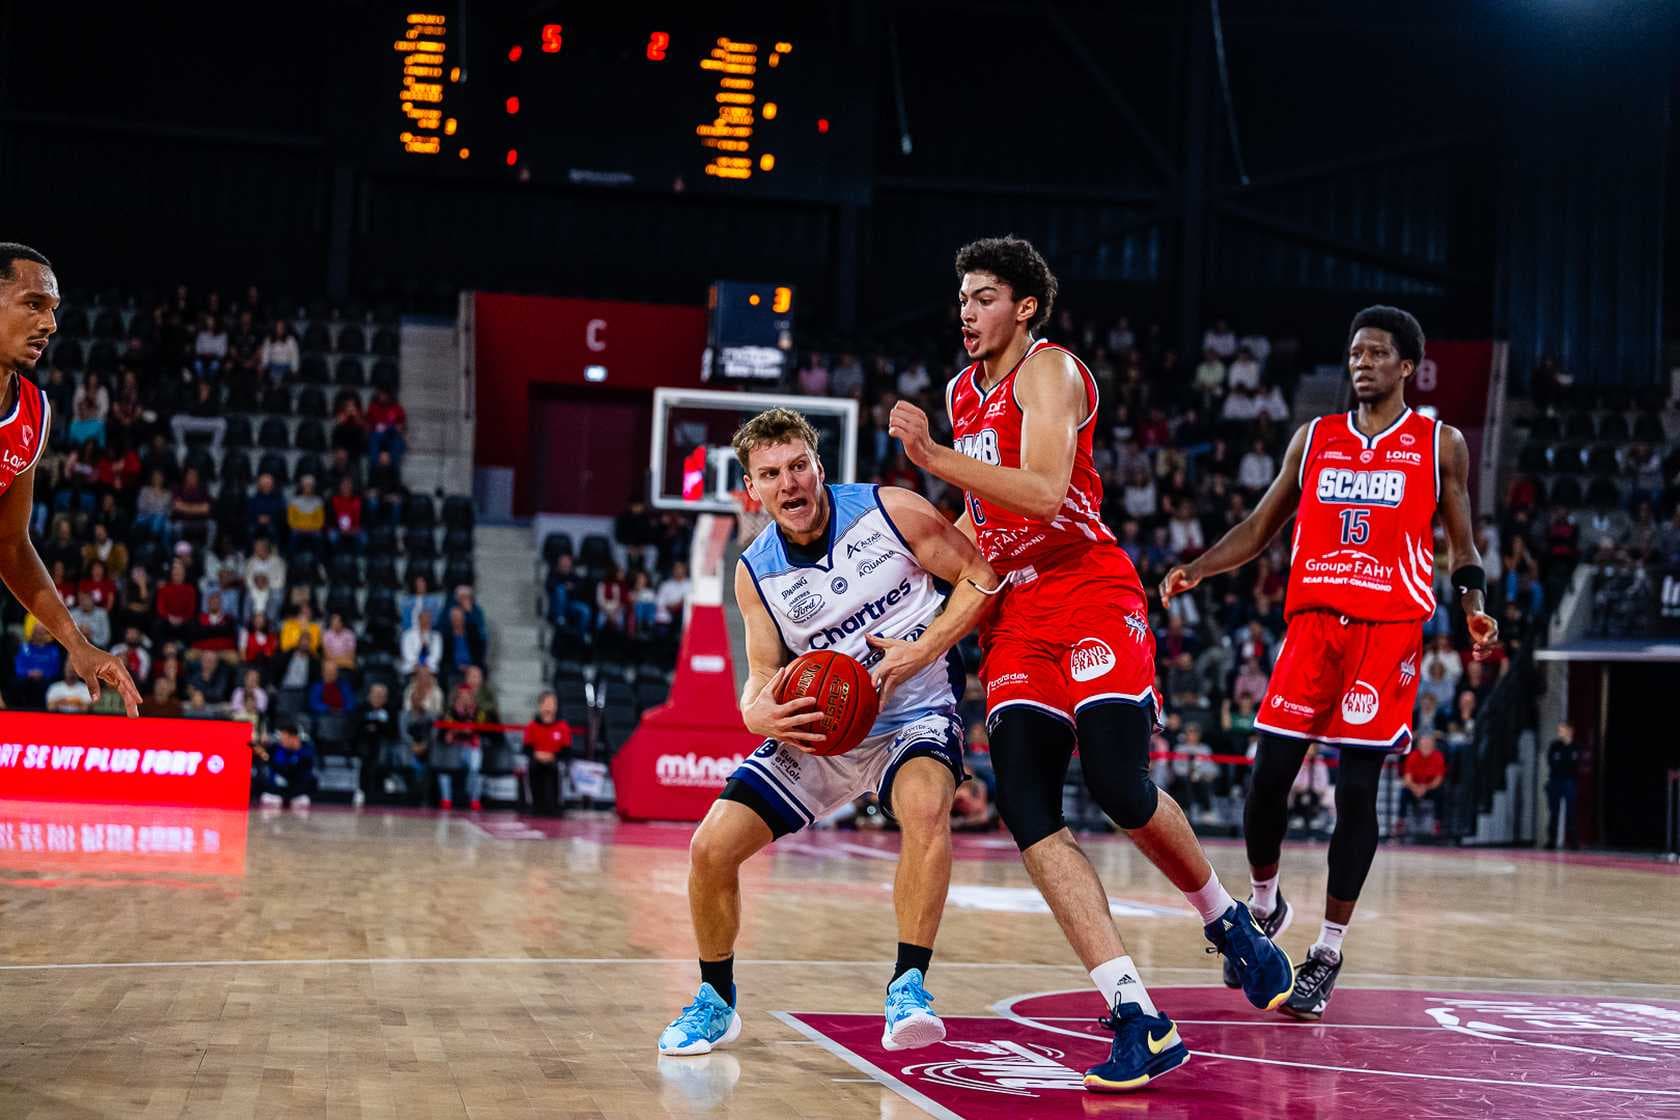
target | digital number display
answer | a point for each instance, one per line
(675, 99)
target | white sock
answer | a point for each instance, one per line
(1330, 936)
(1212, 900)
(1118, 982)
(1263, 900)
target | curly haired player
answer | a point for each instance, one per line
(1069, 655)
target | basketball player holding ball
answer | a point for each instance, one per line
(28, 304)
(1364, 487)
(852, 569)
(1069, 654)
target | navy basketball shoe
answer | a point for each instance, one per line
(1145, 1047)
(1263, 970)
(1314, 981)
(1272, 925)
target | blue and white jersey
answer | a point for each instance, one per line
(860, 579)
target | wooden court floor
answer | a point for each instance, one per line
(161, 963)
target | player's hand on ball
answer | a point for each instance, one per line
(902, 661)
(1484, 635)
(1178, 581)
(94, 666)
(910, 424)
(781, 721)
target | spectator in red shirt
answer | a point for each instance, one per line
(218, 631)
(258, 643)
(177, 605)
(548, 740)
(387, 427)
(344, 519)
(1423, 775)
(101, 588)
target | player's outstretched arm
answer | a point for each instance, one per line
(1051, 393)
(1462, 554)
(766, 657)
(27, 579)
(1249, 537)
(944, 550)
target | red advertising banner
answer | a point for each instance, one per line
(113, 760)
(676, 761)
(1453, 381)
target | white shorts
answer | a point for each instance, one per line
(795, 789)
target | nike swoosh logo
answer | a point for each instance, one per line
(1156, 1045)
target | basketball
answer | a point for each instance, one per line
(845, 695)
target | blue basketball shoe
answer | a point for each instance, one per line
(1145, 1047)
(910, 1018)
(707, 1022)
(1265, 971)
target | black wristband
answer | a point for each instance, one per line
(1471, 577)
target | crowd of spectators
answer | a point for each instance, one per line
(267, 590)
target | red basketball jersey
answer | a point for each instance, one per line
(23, 432)
(987, 426)
(1364, 544)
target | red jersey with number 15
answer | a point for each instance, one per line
(986, 425)
(1364, 544)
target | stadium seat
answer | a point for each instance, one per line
(201, 460)
(1647, 428)
(385, 342)
(458, 571)
(304, 567)
(341, 600)
(382, 635)
(1546, 429)
(236, 468)
(419, 544)
(458, 512)
(595, 553)
(102, 356)
(554, 546)
(107, 324)
(274, 463)
(568, 670)
(345, 568)
(1601, 460)
(458, 542)
(334, 732)
(277, 399)
(385, 375)
(311, 464)
(1566, 457)
(1566, 491)
(351, 340)
(313, 370)
(420, 512)
(419, 566)
(238, 432)
(67, 354)
(349, 372)
(311, 401)
(381, 605)
(1580, 425)
(316, 337)
(1603, 493)
(311, 436)
(382, 570)
(274, 434)
(1614, 428)
(1532, 458)
(381, 540)
(651, 693)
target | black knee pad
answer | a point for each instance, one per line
(1114, 754)
(1030, 752)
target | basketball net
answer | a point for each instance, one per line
(750, 519)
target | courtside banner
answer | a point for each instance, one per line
(113, 760)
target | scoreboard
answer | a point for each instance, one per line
(669, 99)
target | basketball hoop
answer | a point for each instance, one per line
(750, 518)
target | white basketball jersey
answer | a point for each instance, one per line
(866, 582)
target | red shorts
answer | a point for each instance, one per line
(1074, 635)
(1345, 682)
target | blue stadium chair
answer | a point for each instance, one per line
(311, 401)
(351, 340)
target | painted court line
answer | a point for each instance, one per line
(863, 1065)
(1005, 1008)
